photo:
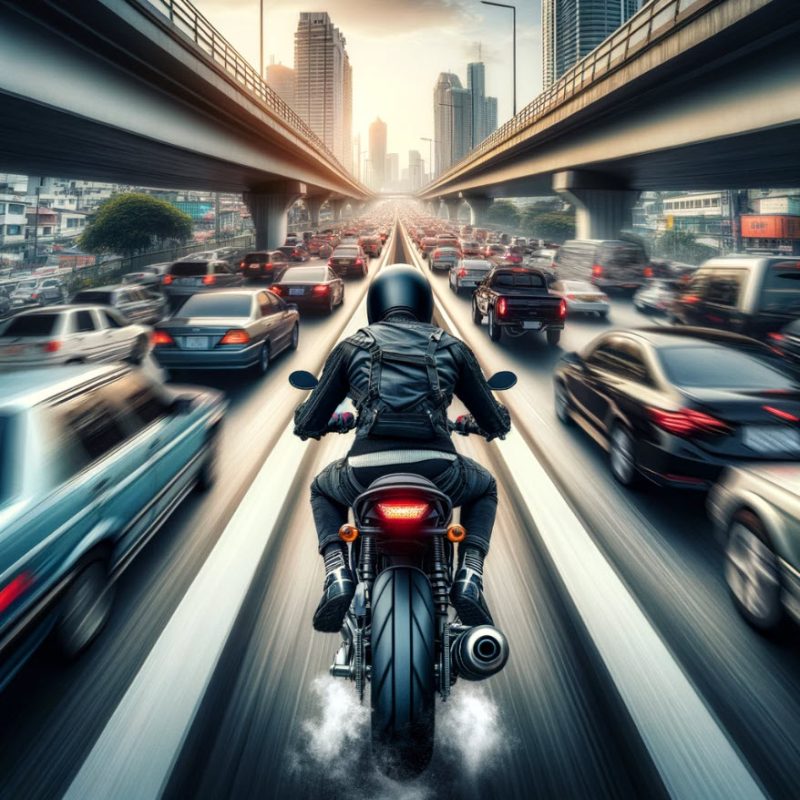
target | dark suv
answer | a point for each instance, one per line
(185, 278)
(608, 263)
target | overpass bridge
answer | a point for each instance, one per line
(148, 92)
(688, 94)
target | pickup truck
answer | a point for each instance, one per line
(516, 299)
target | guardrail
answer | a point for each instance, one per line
(190, 22)
(651, 22)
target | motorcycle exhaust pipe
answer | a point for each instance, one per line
(479, 653)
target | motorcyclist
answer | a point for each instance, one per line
(402, 372)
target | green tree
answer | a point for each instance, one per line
(554, 226)
(503, 212)
(131, 223)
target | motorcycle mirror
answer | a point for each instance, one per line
(301, 379)
(501, 381)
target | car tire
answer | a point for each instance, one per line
(207, 474)
(262, 365)
(752, 573)
(295, 337)
(84, 609)
(622, 456)
(477, 317)
(562, 402)
(553, 337)
(495, 331)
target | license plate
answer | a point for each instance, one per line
(254, 268)
(346, 263)
(296, 291)
(467, 284)
(771, 439)
(532, 326)
(17, 302)
(197, 342)
(185, 281)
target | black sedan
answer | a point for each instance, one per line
(318, 288)
(678, 409)
(264, 265)
(225, 330)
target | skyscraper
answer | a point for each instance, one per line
(323, 94)
(281, 79)
(392, 171)
(571, 29)
(415, 177)
(376, 173)
(484, 109)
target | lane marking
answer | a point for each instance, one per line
(692, 753)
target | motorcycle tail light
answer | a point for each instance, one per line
(403, 510)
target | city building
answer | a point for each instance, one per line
(571, 29)
(392, 170)
(281, 79)
(376, 173)
(415, 173)
(323, 91)
(13, 219)
(484, 109)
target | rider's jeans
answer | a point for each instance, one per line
(465, 481)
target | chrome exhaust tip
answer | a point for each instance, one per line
(479, 653)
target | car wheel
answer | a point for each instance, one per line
(553, 337)
(262, 365)
(477, 317)
(752, 573)
(295, 338)
(364, 271)
(494, 328)
(85, 609)
(622, 456)
(207, 475)
(562, 402)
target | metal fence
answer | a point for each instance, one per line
(650, 23)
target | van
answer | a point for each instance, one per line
(753, 296)
(607, 263)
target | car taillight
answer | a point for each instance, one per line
(691, 299)
(34, 295)
(648, 272)
(167, 280)
(462, 273)
(161, 339)
(776, 337)
(686, 422)
(321, 289)
(502, 307)
(51, 347)
(209, 280)
(562, 308)
(571, 296)
(278, 290)
(597, 270)
(235, 336)
(359, 262)
(436, 254)
(13, 590)
(403, 510)
(787, 416)
(242, 265)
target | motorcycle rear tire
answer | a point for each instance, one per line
(403, 681)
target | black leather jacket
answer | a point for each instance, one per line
(346, 374)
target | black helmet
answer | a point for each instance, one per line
(399, 287)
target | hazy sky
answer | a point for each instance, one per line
(397, 49)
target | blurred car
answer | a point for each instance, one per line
(655, 297)
(512, 255)
(371, 245)
(186, 278)
(581, 297)
(468, 273)
(543, 257)
(93, 460)
(348, 259)
(469, 247)
(317, 288)
(134, 302)
(227, 330)
(70, 335)
(494, 251)
(786, 343)
(38, 292)
(756, 513)
(295, 252)
(264, 265)
(443, 258)
(427, 245)
(678, 409)
(5, 302)
(147, 277)
(608, 263)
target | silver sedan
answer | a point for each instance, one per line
(581, 297)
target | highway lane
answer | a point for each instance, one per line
(661, 543)
(58, 711)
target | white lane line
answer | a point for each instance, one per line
(692, 753)
(136, 751)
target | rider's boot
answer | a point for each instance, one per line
(466, 593)
(338, 592)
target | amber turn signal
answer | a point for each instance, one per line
(348, 533)
(455, 533)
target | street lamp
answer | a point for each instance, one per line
(514, 12)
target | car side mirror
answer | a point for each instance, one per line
(182, 404)
(501, 381)
(301, 379)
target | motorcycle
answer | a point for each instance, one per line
(399, 635)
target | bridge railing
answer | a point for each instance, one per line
(187, 19)
(652, 21)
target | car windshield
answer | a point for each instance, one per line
(622, 255)
(188, 269)
(7, 462)
(528, 280)
(102, 298)
(31, 325)
(719, 368)
(304, 274)
(218, 304)
(782, 288)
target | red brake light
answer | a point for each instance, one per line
(562, 308)
(14, 590)
(359, 262)
(648, 272)
(51, 347)
(403, 510)
(323, 288)
(209, 280)
(571, 296)
(597, 270)
(776, 337)
(235, 336)
(686, 422)
(462, 273)
(502, 307)
(167, 280)
(690, 298)
(34, 295)
(161, 339)
(278, 290)
(436, 254)
(242, 264)
(785, 415)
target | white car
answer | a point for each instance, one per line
(73, 334)
(581, 297)
(468, 273)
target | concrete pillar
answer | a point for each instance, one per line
(314, 204)
(603, 207)
(479, 207)
(268, 205)
(337, 206)
(451, 206)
